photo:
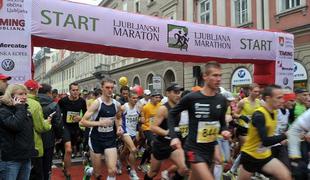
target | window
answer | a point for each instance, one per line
(241, 11)
(289, 4)
(137, 6)
(149, 82)
(136, 81)
(169, 78)
(205, 11)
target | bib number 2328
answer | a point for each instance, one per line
(207, 131)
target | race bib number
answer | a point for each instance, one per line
(183, 130)
(207, 131)
(152, 120)
(281, 128)
(108, 128)
(70, 116)
(132, 121)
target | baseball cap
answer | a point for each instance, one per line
(4, 77)
(155, 93)
(147, 92)
(32, 84)
(85, 91)
(300, 90)
(289, 97)
(174, 87)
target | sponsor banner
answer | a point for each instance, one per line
(285, 60)
(15, 41)
(241, 76)
(300, 73)
(67, 21)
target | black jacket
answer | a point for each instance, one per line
(16, 132)
(48, 107)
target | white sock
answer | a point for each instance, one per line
(217, 172)
(111, 178)
(133, 171)
(89, 171)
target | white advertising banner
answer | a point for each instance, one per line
(15, 41)
(285, 60)
(61, 20)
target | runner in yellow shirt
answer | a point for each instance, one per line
(148, 114)
(256, 153)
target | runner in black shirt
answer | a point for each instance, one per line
(206, 111)
(72, 108)
(161, 148)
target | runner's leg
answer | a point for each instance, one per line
(200, 171)
(155, 167)
(110, 155)
(277, 169)
(96, 162)
(244, 174)
(67, 157)
(177, 156)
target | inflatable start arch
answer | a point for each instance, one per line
(78, 27)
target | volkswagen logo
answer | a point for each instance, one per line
(241, 73)
(8, 64)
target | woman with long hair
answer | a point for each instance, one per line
(16, 134)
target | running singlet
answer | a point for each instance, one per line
(105, 112)
(248, 111)
(253, 144)
(164, 125)
(206, 119)
(130, 119)
(282, 123)
(149, 111)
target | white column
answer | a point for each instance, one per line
(221, 12)
(259, 14)
(266, 14)
(189, 10)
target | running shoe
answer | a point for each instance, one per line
(133, 175)
(88, 171)
(164, 175)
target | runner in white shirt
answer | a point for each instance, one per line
(146, 98)
(130, 117)
(279, 150)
